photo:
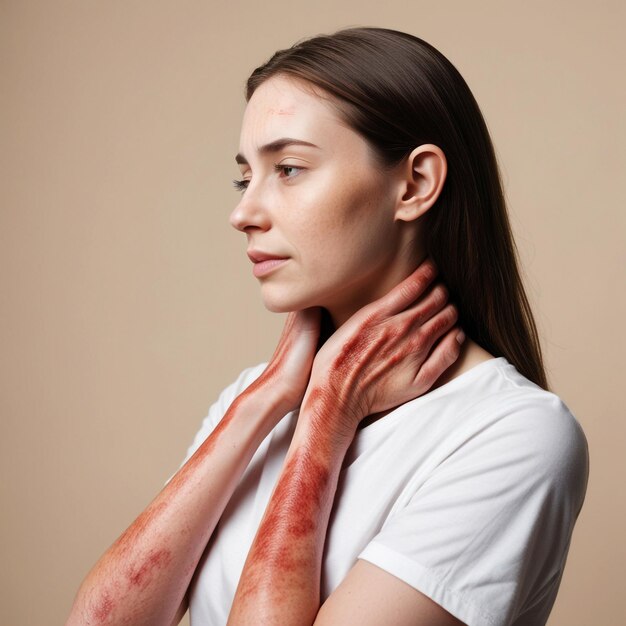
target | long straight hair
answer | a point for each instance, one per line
(398, 92)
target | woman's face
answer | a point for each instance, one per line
(328, 209)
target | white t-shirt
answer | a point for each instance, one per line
(468, 493)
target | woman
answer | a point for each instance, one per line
(384, 466)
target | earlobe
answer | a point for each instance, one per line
(422, 178)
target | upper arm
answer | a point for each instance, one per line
(483, 536)
(369, 596)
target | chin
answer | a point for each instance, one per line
(286, 302)
(276, 308)
(286, 306)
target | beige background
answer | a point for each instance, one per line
(128, 302)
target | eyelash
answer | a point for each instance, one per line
(241, 185)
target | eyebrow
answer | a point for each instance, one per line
(276, 146)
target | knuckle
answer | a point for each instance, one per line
(394, 359)
(383, 336)
(442, 293)
(453, 351)
(452, 312)
(417, 316)
(406, 327)
(419, 340)
(407, 292)
(370, 316)
(429, 269)
(424, 375)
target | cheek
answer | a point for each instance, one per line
(351, 232)
(340, 223)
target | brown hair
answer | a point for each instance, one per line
(398, 92)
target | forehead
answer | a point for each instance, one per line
(285, 106)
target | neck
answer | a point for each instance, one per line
(471, 355)
(375, 286)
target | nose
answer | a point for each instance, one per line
(250, 213)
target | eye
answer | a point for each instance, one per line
(242, 185)
(280, 168)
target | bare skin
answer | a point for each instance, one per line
(382, 357)
(394, 339)
(143, 577)
(352, 238)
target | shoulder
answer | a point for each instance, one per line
(483, 524)
(494, 422)
(539, 418)
(531, 428)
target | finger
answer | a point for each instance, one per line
(405, 292)
(428, 332)
(435, 298)
(444, 354)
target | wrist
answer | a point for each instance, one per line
(259, 406)
(327, 419)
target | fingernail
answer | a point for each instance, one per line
(460, 337)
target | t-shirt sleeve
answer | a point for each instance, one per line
(218, 409)
(487, 534)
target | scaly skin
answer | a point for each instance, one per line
(280, 583)
(380, 358)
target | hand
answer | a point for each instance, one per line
(381, 357)
(289, 368)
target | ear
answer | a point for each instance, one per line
(422, 177)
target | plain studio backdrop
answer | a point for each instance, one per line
(128, 301)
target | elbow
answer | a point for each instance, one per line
(91, 607)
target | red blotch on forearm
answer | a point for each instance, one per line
(268, 378)
(103, 607)
(290, 538)
(139, 570)
(295, 504)
(141, 576)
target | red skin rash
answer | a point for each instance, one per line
(141, 567)
(209, 444)
(127, 540)
(293, 513)
(339, 405)
(140, 577)
(282, 574)
(352, 353)
(267, 379)
(332, 419)
(140, 572)
(364, 348)
(103, 609)
(136, 575)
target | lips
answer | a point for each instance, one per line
(265, 262)
(256, 256)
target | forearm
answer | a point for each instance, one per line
(280, 583)
(143, 576)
